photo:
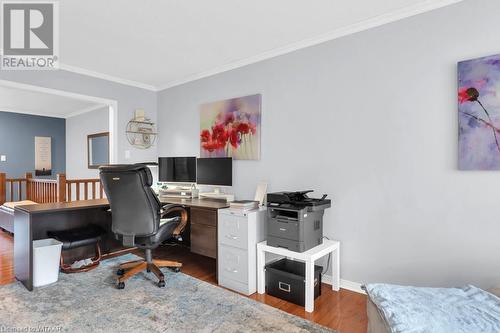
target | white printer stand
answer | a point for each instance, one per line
(309, 257)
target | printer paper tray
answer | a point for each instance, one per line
(288, 244)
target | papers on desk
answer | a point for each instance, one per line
(243, 205)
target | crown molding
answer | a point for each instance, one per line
(374, 22)
(24, 86)
(106, 77)
(97, 101)
(31, 113)
(85, 110)
(59, 115)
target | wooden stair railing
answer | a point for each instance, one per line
(9, 187)
(48, 190)
(41, 190)
(3, 188)
(92, 189)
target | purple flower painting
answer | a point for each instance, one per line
(479, 114)
(231, 128)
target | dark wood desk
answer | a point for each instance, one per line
(203, 223)
(32, 222)
(198, 203)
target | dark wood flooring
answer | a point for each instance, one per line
(344, 311)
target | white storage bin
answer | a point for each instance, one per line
(46, 258)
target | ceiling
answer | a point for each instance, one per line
(162, 43)
(43, 104)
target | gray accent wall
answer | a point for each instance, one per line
(371, 119)
(17, 142)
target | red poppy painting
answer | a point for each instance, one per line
(479, 114)
(231, 128)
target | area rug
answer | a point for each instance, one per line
(89, 302)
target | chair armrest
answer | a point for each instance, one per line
(170, 208)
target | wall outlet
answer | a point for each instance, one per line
(127, 154)
(3, 158)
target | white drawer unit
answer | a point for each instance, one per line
(233, 230)
(237, 237)
(233, 263)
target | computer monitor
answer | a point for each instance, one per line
(215, 171)
(177, 169)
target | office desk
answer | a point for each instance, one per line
(203, 223)
(198, 203)
(34, 221)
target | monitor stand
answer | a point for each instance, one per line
(178, 190)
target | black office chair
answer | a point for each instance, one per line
(137, 218)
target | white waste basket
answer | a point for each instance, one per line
(46, 258)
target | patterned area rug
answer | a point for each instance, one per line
(89, 302)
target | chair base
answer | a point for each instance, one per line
(131, 268)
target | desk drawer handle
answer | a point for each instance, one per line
(232, 237)
(232, 270)
(284, 286)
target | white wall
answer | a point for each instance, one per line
(371, 119)
(77, 129)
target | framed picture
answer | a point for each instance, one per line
(97, 150)
(231, 128)
(43, 156)
(479, 114)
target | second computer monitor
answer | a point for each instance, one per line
(177, 169)
(215, 171)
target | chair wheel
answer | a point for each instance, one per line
(121, 285)
(175, 269)
(120, 272)
(161, 284)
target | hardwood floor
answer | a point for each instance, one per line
(344, 311)
(6, 258)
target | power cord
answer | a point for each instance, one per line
(328, 262)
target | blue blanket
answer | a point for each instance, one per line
(418, 310)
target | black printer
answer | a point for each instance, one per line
(295, 221)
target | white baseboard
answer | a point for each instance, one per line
(344, 284)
